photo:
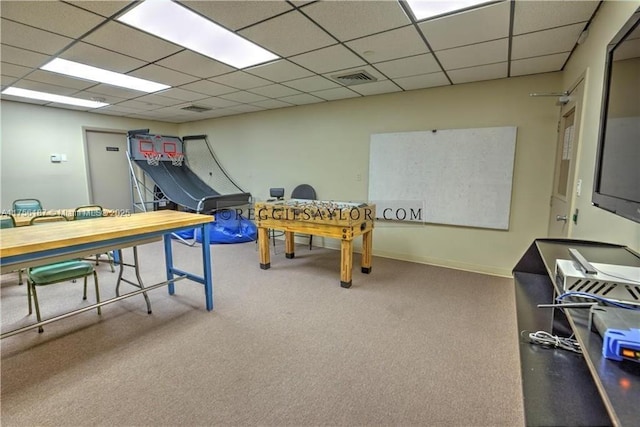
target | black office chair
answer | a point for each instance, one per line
(305, 192)
(276, 193)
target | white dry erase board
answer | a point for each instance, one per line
(459, 176)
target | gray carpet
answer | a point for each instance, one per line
(408, 344)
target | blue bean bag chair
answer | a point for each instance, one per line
(229, 227)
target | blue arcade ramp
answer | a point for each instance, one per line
(183, 187)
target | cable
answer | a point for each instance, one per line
(597, 298)
(546, 339)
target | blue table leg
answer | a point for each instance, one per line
(206, 265)
(168, 260)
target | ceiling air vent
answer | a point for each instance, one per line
(196, 108)
(354, 78)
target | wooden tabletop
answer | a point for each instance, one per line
(54, 235)
(23, 219)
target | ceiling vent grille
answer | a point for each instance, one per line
(354, 78)
(196, 108)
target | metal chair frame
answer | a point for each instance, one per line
(32, 281)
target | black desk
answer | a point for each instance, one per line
(563, 388)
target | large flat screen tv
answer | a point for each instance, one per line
(617, 174)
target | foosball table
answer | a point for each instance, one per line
(339, 220)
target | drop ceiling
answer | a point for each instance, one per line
(316, 40)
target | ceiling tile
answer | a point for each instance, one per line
(376, 88)
(275, 91)
(54, 16)
(238, 14)
(310, 84)
(105, 8)
(159, 74)
(327, 38)
(107, 112)
(119, 92)
(70, 107)
(128, 41)
(278, 34)
(209, 88)
(348, 20)
(217, 102)
(411, 66)
(279, 71)
(14, 70)
(390, 45)
(60, 80)
(474, 26)
(478, 54)
(184, 95)
(540, 64)
(533, 16)
(302, 99)
(240, 80)
(243, 97)
(23, 57)
(7, 80)
(328, 59)
(195, 64)
(546, 42)
(422, 81)
(96, 56)
(271, 104)
(89, 94)
(336, 93)
(18, 35)
(246, 108)
(139, 105)
(474, 74)
(45, 87)
(158, 100)
(119, 109)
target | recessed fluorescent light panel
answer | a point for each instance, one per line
(423, 9)
(43, 96)
(87, 72)
(177, 24)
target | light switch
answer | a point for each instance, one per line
(579, 188)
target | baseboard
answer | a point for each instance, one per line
(318, 241)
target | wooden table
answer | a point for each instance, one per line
(339, 220)
(23, 219)
(24, 247)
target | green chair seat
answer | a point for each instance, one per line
(59, 272)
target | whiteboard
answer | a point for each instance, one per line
(459, 176)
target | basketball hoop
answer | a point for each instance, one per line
(176, 158)
(153, 158)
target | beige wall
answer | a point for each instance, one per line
(595, 223)
(327, 146)
(30, 133)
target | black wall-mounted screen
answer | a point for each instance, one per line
(617, 175)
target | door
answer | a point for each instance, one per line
(108, 169)
(564, 176)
